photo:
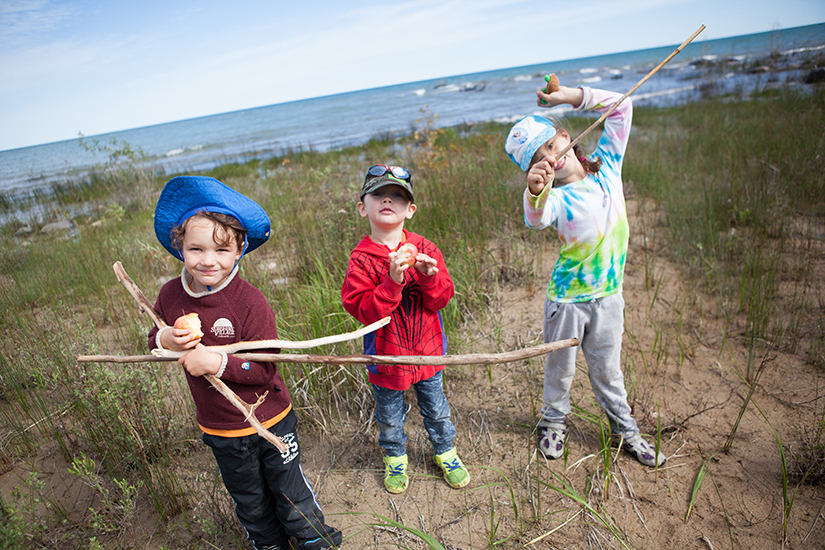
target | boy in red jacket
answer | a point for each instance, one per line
(386, 277)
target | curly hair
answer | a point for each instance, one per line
(226, 231)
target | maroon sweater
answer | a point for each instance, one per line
(369, 294)
(233, 312)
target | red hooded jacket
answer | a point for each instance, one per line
(369, 294)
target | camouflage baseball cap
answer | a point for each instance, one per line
(379, 176)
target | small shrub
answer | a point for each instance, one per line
(12, 528)
(808, 460)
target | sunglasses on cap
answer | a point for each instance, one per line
(396, 171)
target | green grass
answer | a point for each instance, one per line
(735, 191)
(741, 188)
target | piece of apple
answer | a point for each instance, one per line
(192, 322)
(409, 248)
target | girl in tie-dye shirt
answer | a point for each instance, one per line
(581, 197)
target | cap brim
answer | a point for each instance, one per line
(184, 196)
(371, 186)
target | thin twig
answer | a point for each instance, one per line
(816, 519)
(630, 91)
(550, 532)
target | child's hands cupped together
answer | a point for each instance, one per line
(398, 265)
(426, 265)
(541, 174)
(201, 361)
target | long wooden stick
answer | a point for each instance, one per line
(470, 359)
(283, 344)
(147, 307)
(217, 383)
(630, 91)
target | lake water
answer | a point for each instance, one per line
(335, 121)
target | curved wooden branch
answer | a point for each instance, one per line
(217, 383)
(470, 359)
(283, 344)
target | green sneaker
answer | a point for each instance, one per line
(455, 474)
(395, 474)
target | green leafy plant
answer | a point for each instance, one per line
(118, 504)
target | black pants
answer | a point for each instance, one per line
(273, 499)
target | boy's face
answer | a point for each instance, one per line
(208, 262)
(387, 207)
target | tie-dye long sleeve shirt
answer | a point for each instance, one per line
(589, 215)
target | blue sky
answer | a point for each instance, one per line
(101, 66)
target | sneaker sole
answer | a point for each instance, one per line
(459, 485)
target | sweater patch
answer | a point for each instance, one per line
(223, 328)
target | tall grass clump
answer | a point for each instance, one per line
(741, 190)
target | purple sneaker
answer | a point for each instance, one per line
(551, 440)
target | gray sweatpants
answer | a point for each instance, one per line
(598, 325)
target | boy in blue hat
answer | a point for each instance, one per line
(209, 227)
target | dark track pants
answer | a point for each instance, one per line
(273, 499)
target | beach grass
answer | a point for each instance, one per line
(734, 195)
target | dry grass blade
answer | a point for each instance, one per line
(550, 532)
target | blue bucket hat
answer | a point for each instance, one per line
(184, 196)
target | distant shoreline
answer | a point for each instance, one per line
(336, 122)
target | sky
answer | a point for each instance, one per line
(101, 66)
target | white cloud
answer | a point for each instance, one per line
(24, 20)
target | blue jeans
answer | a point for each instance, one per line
(391, 415)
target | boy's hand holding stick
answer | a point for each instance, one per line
(553, 85)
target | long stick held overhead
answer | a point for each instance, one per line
(630, 91)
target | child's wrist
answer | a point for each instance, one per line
(222, 366)
(159, 337)
(534, 193)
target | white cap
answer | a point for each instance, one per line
(526, 137)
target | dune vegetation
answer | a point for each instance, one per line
(726, 265)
